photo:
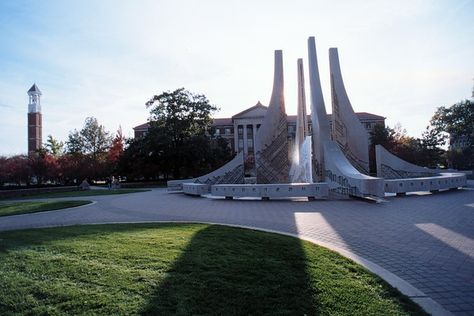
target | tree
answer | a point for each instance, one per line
(43, 166)
(54, 146)
(116, 147)
(178, 138)
(424, 152)
(87, 149)
(74, 143)
(14, 169)
(458, 122)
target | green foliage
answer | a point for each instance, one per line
(91, 139)
(458, 122)
(182, 113)
(7, 209)
(424, 152)
(54, 147)
(183, 269)
(87, 152)
(178, 143)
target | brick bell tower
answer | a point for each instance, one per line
(35, 138)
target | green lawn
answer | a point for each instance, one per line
(81, 193)
(16, 208)
(184, 269)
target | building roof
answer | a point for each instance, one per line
(144, 126)
(222, 121)
(369, 116)
(34, 88)
(363, 116)
(256, 106)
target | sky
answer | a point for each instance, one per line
(399, 59)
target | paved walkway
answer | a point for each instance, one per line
(426, 240)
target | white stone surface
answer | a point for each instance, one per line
(320, 123)
(197, 189)
(272, 156)
(301, 170)
(344, 179)
(301, 118)
(443, 181)
(231, 172)
(301, 167)
(390, 166)
(347, 129)
(281, 190)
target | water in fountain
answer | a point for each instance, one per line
(300, 171)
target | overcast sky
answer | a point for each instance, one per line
(399, 59)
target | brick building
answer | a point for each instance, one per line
(240, 129)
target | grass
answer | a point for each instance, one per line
(81, 193)
(184, 269)
(7, 209)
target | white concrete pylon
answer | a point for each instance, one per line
(271, 158)
(319, 120)
(301, 118)
(347, 130)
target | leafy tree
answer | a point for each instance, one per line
(14, 169)
(116, 147)
(423, 152)
(74, 143)
(180, 141)
(457, 121)
(43, 166)
(87, 150)
(178, 138)
(54, 146)
(95, 139)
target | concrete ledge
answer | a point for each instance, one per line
(177, 185)
(196, 189)
(267, 191)
(445, 181)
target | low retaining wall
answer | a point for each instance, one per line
(268, 191)
(444, 181)
(26, 192)
(196, 189)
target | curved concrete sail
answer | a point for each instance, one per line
(347, 130)
(302, 117)
(301, 169)
(230, 173)
(271, 157)
(320, 123)
(345, 180)
(390, 166)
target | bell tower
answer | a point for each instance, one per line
(34, 119)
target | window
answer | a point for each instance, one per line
(227, 131)
(250, 143)
(249, 130)
(241, 143)
(240, 129)
(218, 131)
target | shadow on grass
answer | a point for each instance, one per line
(225, 271)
